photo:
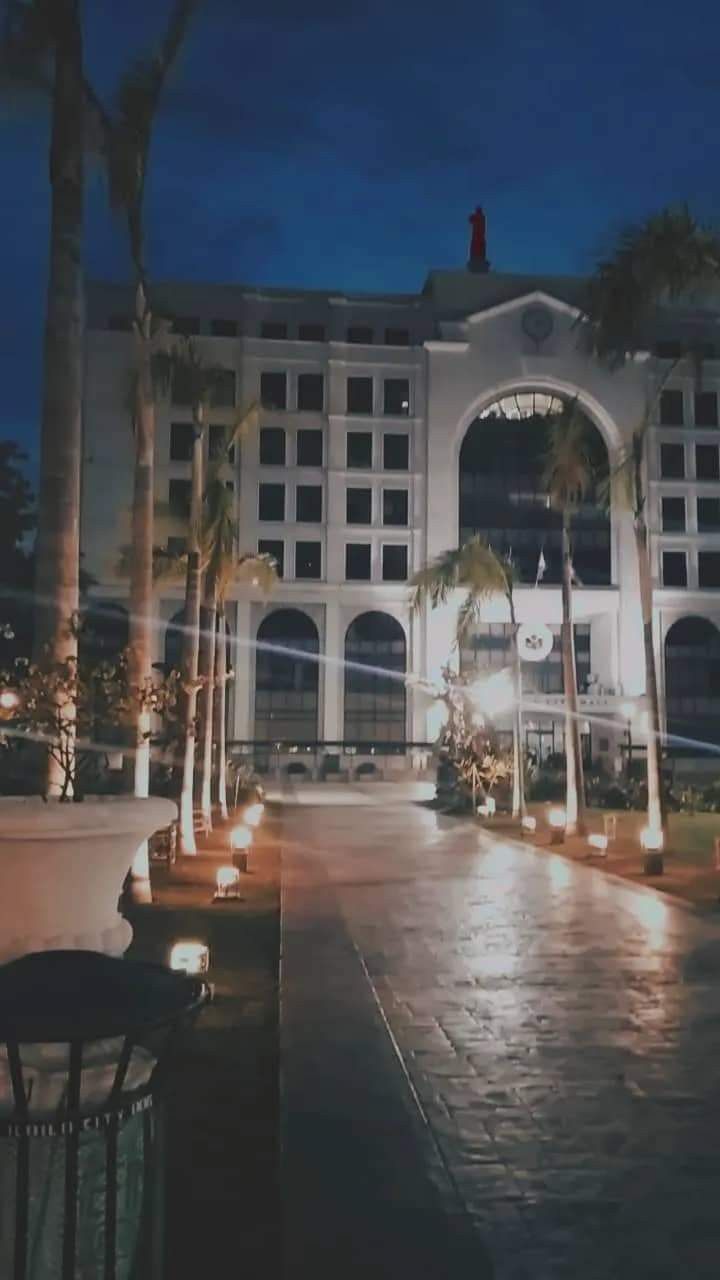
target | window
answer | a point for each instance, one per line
(308, 503)
(311, 392)
(394, 564)
(358, 506)
(396, 452)
(223, 328)
(673, 515)
(671, 408)
(179, 493)
(674, 569)
(187, 325)
(119, 324)
(397, 338)
(181, 441)
(272, 446)
(223, 391)
(708, 515)
(359, 395)
(271, 504)
(218, 442)
(274, 547)
(395, 506)
(307, 559)
(707, 462)
(706, 409)
(309, 448)
(181, 392)
(672, 461)
(311, 333)
(396, 396)
(375, 696)
(273, 390)
(360, 333)
(359, 449)
(273, 329)
(357, 561)
(709, 568)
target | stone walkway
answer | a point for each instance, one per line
(560, 1032)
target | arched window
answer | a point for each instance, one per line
(286, 678)
(502, 497)
(692, 682)
(375, 703)
(104, 631)
(174, 641)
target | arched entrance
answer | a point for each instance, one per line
(375, 704)
(502, 497)
(286, 678)
(692, 682)
(104, 631)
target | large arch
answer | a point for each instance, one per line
(375, 704)
(692, 681)
(104, 631)
(502, 496)
(286, 678)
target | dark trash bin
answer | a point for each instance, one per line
(85, 1043)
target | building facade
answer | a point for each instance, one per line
(390, 428)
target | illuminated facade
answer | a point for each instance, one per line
(391, 426)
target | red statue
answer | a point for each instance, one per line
(478, 242)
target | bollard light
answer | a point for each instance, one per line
(598, 841)
(557, 819)
(529, 823)
(188, 956)
(252, 816)
(227, 884)
(241, 837)
(651, 839)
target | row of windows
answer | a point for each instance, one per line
(182, 435)
(358, 560)
(673, 409)
(219, 327)
(179, 498)
(308, 504)
(674, 518)
(310, 393)
(675, 569)
(672, 461)
(309, 449)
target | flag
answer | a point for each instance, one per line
(542, 566)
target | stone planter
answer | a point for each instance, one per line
(62, 868)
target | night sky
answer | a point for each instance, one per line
(320, 144)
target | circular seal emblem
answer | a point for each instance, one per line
(537, 323)
(535, 641)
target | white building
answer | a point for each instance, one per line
(379, 446)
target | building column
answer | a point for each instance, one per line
(332, 673)
(243, 662)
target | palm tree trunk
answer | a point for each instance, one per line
(575, 784)
(141, 579)
(57, 554)
(221, 711)
(518, 802)
(191, 646)
(656, 807)
(208, 697)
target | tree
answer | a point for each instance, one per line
(224, 567)
(658, 261)
(17, 519)
(568, 478)
(478, 571)
(44, 39)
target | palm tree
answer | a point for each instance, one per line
(476, 569)
(662, 259)
(44, 41)
(568, 478)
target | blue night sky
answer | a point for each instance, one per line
(343, 145)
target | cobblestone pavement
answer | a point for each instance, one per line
(561, 1029)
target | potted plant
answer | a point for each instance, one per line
(62, 862)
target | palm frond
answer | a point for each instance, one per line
(654, 262)
(468, 615)
(166, 564)
(569, 471)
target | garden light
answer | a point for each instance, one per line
(651, 839)
(252, 816)
(241, 838)
(557, 819)
(188, 956)
(227, 884)
(529, 823)
(9, 700)
(598, 841)
(493, 695)
(488, 808)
